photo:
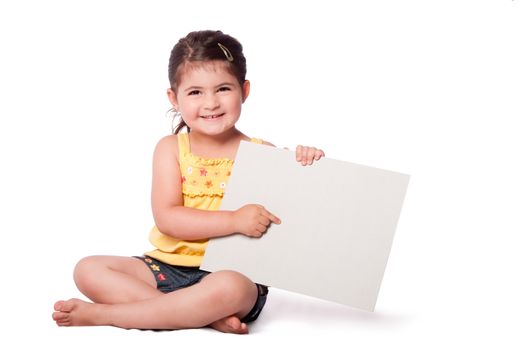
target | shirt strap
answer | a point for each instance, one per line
(184, 144)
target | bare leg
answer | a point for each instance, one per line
(221, 299)
(115, 279)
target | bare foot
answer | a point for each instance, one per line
(230, 324)
(75, 312)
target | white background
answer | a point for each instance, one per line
(434, 89)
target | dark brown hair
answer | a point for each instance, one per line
(203, 46)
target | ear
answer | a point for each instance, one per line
(245, 90)
(173, 98)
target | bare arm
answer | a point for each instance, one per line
(173, 219)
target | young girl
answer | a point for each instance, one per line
(165, 289)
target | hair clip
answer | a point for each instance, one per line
(227, 52)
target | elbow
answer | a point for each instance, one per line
(171, 223)
(165, 229)
(170, 230)
(165, 225)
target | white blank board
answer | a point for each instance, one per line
(338, 222)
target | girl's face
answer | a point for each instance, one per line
(209, 98)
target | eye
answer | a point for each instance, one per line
(224, 88)
(194, 92)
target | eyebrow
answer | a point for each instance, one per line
(200, 87)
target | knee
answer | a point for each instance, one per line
(233, 288)
(85, 271)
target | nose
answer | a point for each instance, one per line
(211, 102)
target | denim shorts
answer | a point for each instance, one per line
(172, 277)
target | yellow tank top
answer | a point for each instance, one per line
(203, 183)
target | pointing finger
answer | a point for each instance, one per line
(272, 217)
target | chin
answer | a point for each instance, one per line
(213, 132)
(216, 129)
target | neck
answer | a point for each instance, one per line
(216, 140)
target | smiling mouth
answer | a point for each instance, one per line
(213, 116)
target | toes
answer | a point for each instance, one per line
(67, 306)
(61, 318)
(62, 314)
(59, 304)
(243, 329)
(57, 316)
(230, 324)
(236, 326)
(233, 322)
(63, 323)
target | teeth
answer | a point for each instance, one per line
(211, 116)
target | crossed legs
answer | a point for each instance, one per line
(124, 293)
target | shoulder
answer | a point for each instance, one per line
(262, 142)
(257, 140)
(169, 140)
(268, 143)
(168, 145)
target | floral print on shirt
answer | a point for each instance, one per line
(202, 176)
